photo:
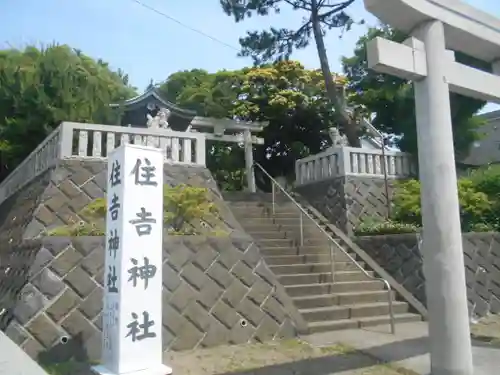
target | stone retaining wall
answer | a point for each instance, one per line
(216, 291)
(401, 257)
(51, 287)
(346, 201)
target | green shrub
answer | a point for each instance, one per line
(184, 205)
(95, 209)
(230, 180)
(482, 227)
(475, 205)
(487, 180)
(406, 202)
(370, 226)
(187, 210)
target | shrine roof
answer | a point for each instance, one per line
(153, 93)
(196, 122)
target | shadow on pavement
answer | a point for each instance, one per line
(486, 342)
(340, 363)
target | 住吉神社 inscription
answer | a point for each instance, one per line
(132, 330)
(145, 272)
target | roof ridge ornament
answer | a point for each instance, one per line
(160, 120)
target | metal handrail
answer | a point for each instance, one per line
(329, 237)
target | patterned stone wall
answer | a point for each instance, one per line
(15, 254)
(216, 290)
(346, 201)
(400, 256)
(51, 287)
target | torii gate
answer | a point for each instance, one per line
(424, 59)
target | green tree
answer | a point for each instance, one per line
(279, 44)
(285, 94)
(39, 88)
(211, 95)
(391, 99)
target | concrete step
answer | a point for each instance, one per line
(311, 268)
(341, 275)
(275, 251)
(336, 325)
(268, 235)
(289, 236)
(278, 203)
(279, 221)
(329, 313)
(287, 242)
(236, 197)
(244, 195)
(259, 212)
(270, 230)
(266, 224)
(310, 234)
(334, 288)
(323, 300)
(272, 259)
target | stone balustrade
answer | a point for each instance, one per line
(92, 141)
(352, 161)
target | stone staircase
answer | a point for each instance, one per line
(351, 300)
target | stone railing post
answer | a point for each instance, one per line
(343, 161)
(66, 139)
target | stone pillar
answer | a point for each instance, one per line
(132, 303)
(450, 341)
(249, 161)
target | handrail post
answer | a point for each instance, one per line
(332, 262)
(272, 197)
(391, 309)
(386, 182)
(301, 230)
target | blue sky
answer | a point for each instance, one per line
(149, 46)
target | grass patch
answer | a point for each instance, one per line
(71, 367)
(487, 330)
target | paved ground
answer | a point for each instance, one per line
(14, 361)
(353, 352)
(409, 347)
